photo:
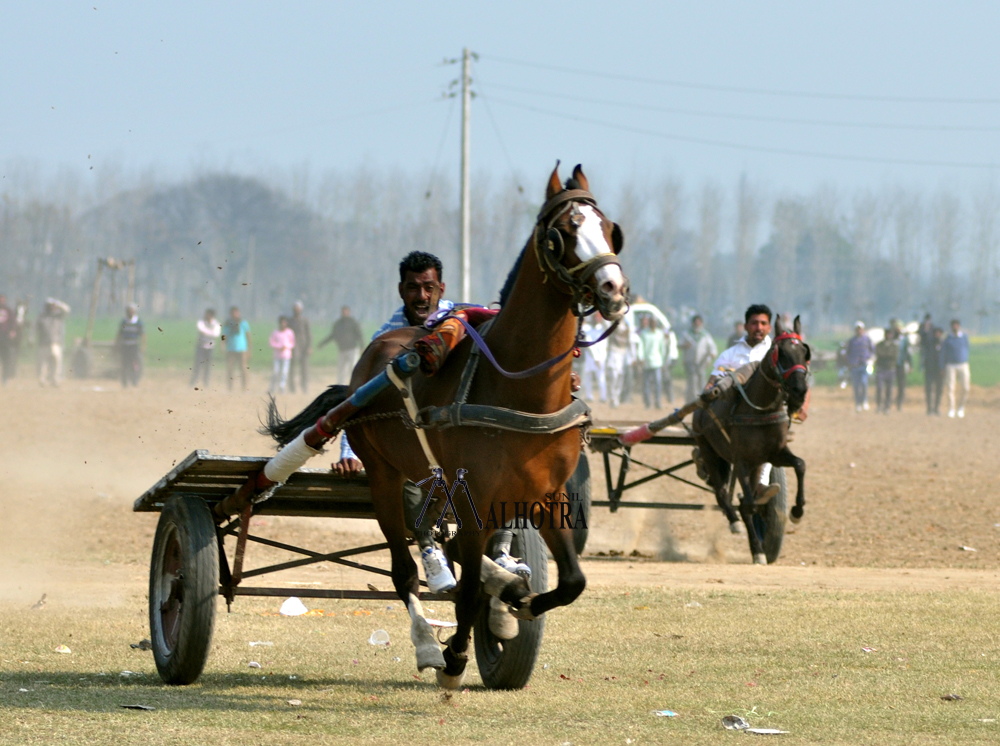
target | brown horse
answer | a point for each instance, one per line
(569, 264)
(754, 430)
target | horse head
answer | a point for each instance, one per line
(789, 358)
(578, 246)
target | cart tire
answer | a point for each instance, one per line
(769, 520)
(507, 664)
(183, 586)
(579, 485)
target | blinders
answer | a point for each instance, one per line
(550, 248)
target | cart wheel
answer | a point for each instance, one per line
(579, 485)
(507, 664)
(769, 520)
(183, 585)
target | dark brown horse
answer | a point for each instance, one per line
(569, 263)
(750, 429)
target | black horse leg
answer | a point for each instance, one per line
(747, 511)
(572, 581)
(468, 607)
(718, 475)
(787, 458)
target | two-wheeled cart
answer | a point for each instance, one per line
(190, 567)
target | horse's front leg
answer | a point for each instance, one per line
(747, 510)
(572, 581)
(468, 607)
(787, 458)
(386, 485)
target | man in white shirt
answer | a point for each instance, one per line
(751, 348)
(209, 330)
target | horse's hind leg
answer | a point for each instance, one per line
(718, 475)
(386, 485)
(747, 511)
(787, 458)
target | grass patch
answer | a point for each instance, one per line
(791, 660)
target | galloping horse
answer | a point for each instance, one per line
(568, 267)
(754, 430)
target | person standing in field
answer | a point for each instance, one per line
(283, 343)
(903, 365)
(699, 352)
(955, 359)
(619, 358)
(209, 330)
(131, 343)
(346, 332)
(238, 347)
(737, 334)
(7, 323)
(930, 358)
(299, 325)
(594, 358)
(886, 359)
(50, 330)
(653, 344)
(859, 351)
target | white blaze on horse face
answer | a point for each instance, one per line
(590, 242)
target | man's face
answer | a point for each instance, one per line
(757, 327)
(858, 331)
(420, 293)
(955, 327)
(236, 315)
(3, 300)
(696, 324)
(345, 312)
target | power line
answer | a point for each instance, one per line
(738, 89)
(440, 150)
(750, 117)
(503, 146)
(748, 148)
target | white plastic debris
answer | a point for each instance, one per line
(379, 638)
(63, 649)
(766, 731)
(693, 605)
(734, 722)
(253, 664)
(126, 674)
(967, 549)
(261, 643)
(665, 713)
(293, 607)
(295, 702)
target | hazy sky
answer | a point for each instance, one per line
(254, 86)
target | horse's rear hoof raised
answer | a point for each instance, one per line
(796, 514)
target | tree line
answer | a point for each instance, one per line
(264, 241)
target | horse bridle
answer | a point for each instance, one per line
(550, 250)
(785, 373)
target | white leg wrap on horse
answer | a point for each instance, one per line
(502, 622)
(760, 559)
(289, 459)
(494, 578)
(422, 636)
(765, 474)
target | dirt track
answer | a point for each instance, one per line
(901, 491)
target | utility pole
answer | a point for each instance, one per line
(466, 258)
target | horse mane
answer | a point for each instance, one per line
(508, 285)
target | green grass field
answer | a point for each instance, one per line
(793, 660)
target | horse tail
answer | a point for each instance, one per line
(285, 431)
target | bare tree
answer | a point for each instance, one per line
(709, 228)
(748, 208)
(946, 232)
(986, 237)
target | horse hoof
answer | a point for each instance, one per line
(429, 656)
(765, 493)
(523, 611)
(760, 559)
(502, 623)
(452, 674)
(450, 682)
(796, 514)
(736, 528)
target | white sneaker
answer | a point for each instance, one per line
(961, 412)
(865, 406)
(439, 575)
(510, 564)
(857, 407)
(951, 413)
